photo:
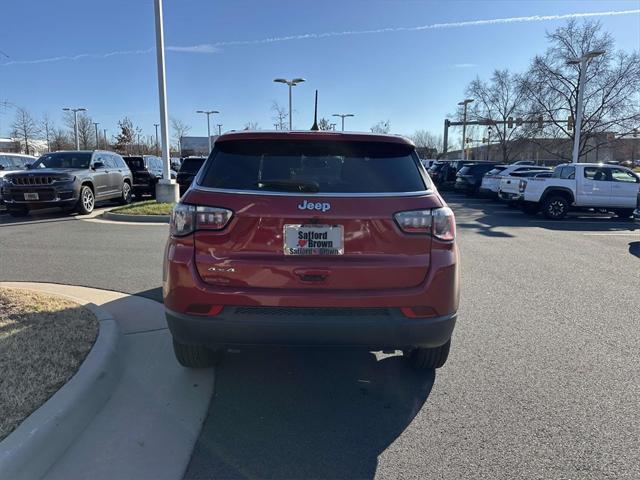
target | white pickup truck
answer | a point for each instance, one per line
(577, 186)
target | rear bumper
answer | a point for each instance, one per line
(510, 197)
(265, 326)
(636, 215)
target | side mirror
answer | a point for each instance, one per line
(27, 166)
(97, 165)
(1, 167)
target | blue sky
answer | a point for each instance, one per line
(411, 77)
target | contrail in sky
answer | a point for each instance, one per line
(215, 47)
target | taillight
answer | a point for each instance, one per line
(522, 185)
(186, 219)
(439, 222)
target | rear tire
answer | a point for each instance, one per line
(624, 212)
(555, 207)
(429, 358)
(195, 356)
(125, 198)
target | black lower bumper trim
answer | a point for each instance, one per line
(393, 331)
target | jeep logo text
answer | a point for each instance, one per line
(322, 206)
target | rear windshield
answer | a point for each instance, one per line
(134, 163)
(329, 167)
(64, 160)
(496, 170)
(191, 165)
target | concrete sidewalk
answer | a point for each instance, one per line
(148, 427)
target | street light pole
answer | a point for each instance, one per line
(157, 149)
(104, 138)
(75, 122)
(219, 129)
(582, 61)
(464, 103)
(488, 141)
(166, 189)
(290, 83)
(207, 113)
(342, 117)
(95, 124)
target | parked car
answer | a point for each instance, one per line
(146, 171)
(469, 178)
(491, 181)
(311, 238)
(188, 170)
(636, 212)
(12, 162)
(583, 186)
(72, 180)
(445, 177)
(512, 186)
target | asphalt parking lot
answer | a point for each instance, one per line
(542, 380)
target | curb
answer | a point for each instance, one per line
(123, 217)
(35, 446)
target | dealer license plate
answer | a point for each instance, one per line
(31, 196)
(313, 240)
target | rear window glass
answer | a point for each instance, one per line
(191, 165)
(496, 170)
(331, 167)
(134, 163)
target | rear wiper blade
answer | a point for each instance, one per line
(289, 186)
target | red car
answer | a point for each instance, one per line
(311, 238)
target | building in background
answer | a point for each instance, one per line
(15, 145)
(195, 146)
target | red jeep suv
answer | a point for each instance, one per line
(311, 238)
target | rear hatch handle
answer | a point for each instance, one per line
(311, 275)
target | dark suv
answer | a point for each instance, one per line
(72, 180)
(469, 178)
(311, 238)
(188, 169)
(146, 171)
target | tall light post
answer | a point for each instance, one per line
(208, 113)
(157, 149)
(104, 137)
(464, 103)
(166, 188)
(219, 129)
(95, 124)
(290, 83)
(342, 117)
(75, 122)
(582, 61)
(488, 141)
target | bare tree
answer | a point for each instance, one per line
(612, 82)
(425, 139)
(179, 129)
(59, 140)
(280, 117)
(499, 99)
(383, 126)
(46, 129)
(24, 128)
(85, 128)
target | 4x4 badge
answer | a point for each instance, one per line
(322, 206)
